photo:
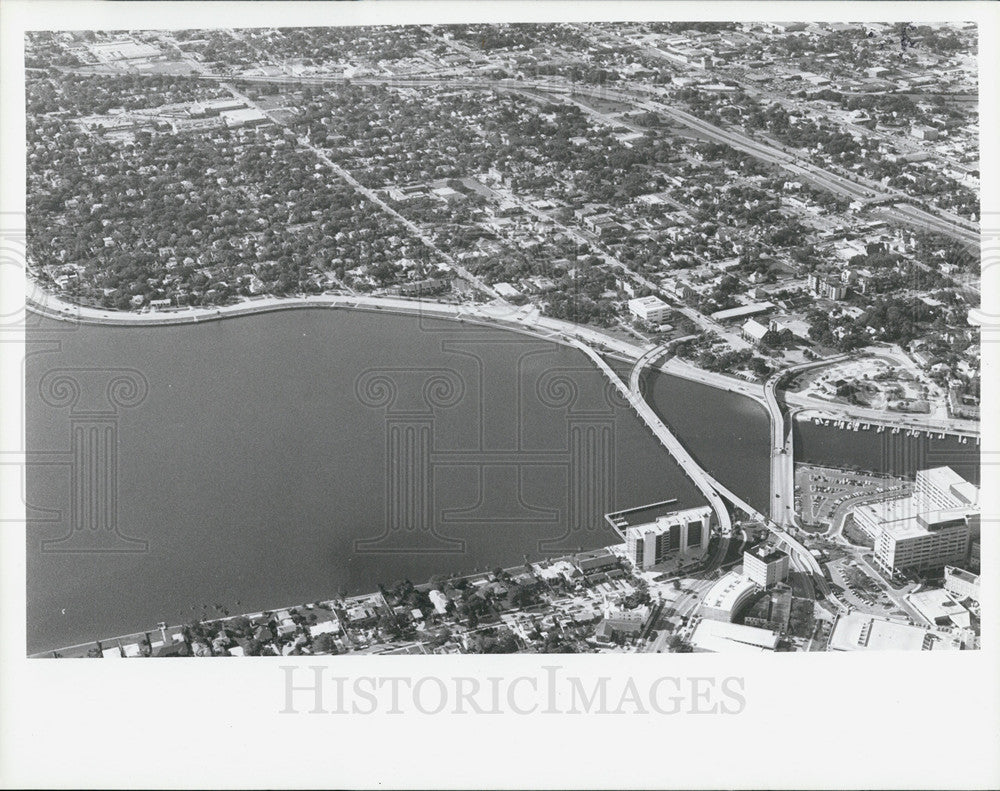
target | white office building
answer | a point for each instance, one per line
(765, 567)
(931, 528)
(942, 488)
(651, 309)
(728, 597)
(925, 541)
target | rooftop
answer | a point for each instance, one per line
(651, 301)
(904, 517)
(766, 553)
(743, 310)
(946, 479)
(721, 636)
(921, 524)
(755, 329)
(664, 522)
(939, 608)
(862, 632)
(962, 574)
(728, 591)
(243, 116)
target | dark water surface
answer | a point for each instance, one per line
(265, 448)
(282, 458)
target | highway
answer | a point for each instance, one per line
(901, 209)
(714, 492)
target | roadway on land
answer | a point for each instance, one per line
(904, 212)
(373, 196)
(898, 206)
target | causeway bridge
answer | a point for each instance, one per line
(782, 498)
(714, 492)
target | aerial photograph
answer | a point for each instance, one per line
(604, 337)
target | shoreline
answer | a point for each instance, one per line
(523, 320)
(118, 640)
(487, 316)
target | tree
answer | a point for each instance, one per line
(388, 627)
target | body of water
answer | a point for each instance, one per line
(277, 459)
(287, 457)
(893, 454)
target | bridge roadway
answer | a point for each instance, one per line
(711, 489)
(782, 498)
(648, 356)
(707, 485)
(801, 558)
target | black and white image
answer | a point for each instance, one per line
(638, 337)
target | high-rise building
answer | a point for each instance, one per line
(943, 488)
(924, 541)
(765, 567)
(932, 527)
(679, 534)
(826, 287)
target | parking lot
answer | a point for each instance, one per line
(823, 495)
(860, 590)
